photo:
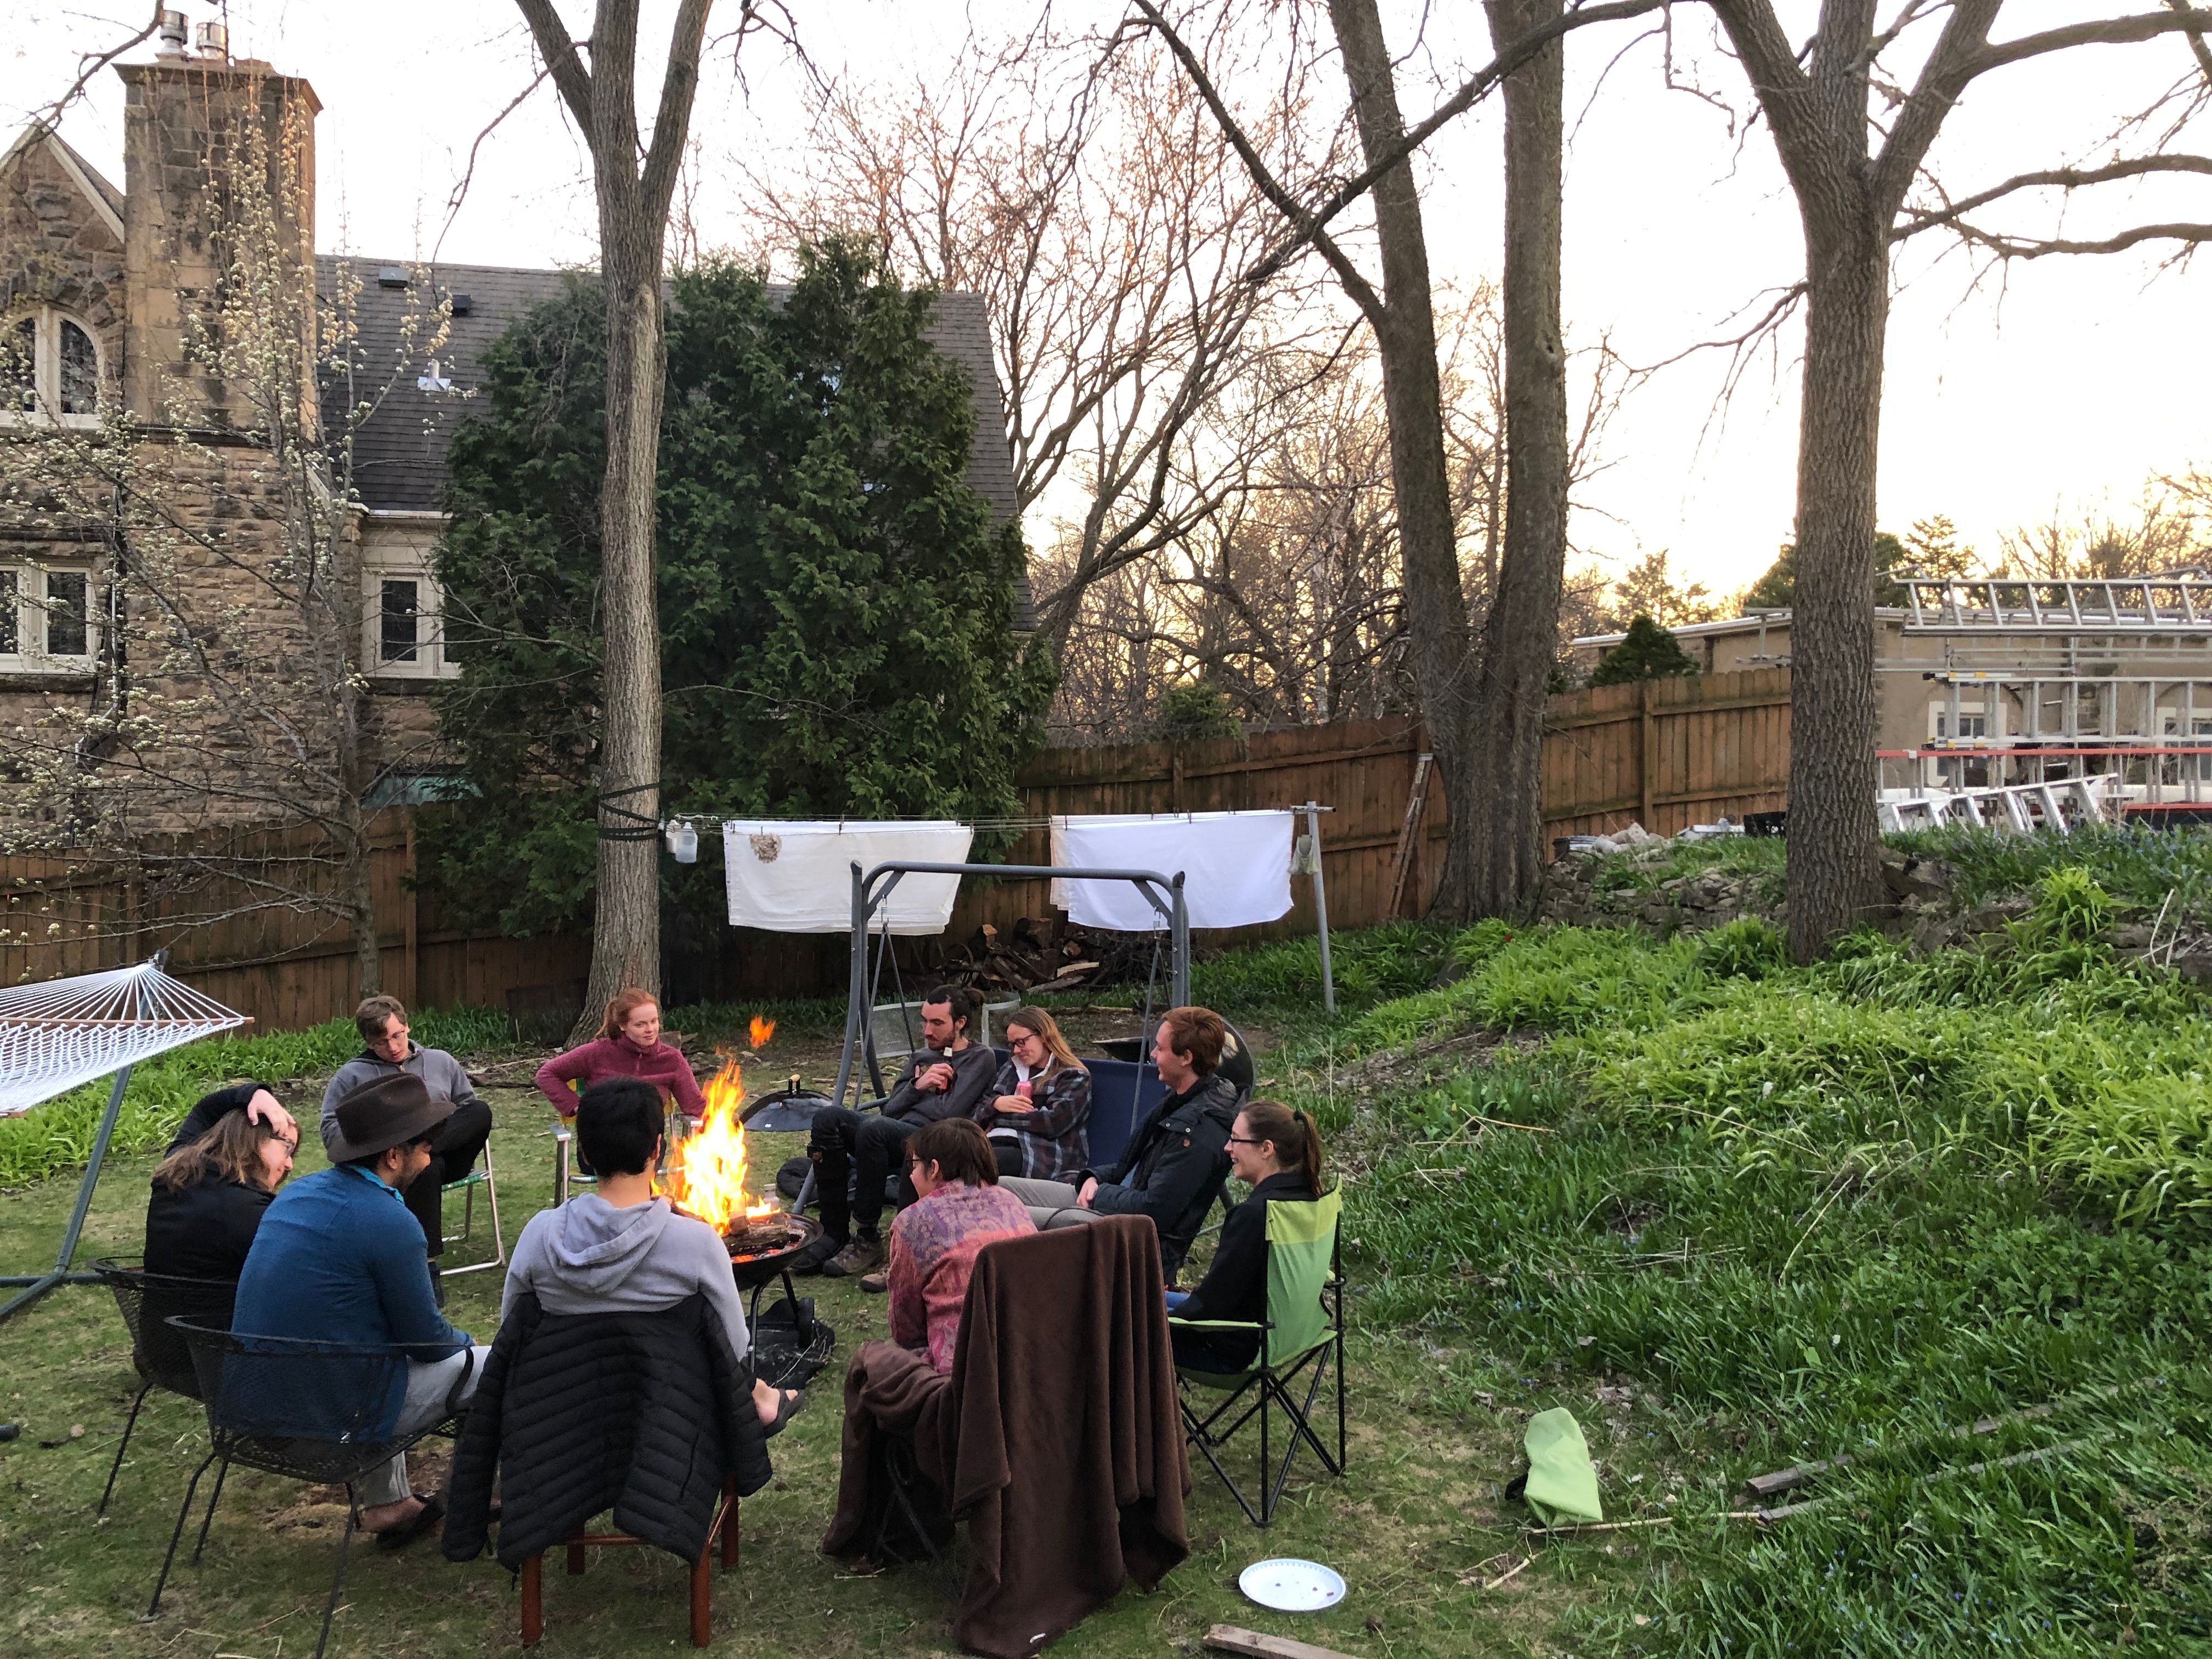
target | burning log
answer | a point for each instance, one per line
(705, 1173)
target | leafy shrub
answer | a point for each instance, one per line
(1394, 960)
(2136, 863)
(1746, 948)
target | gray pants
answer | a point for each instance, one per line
(428, 1383)
(1051, 1203)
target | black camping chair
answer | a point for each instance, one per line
(297, 1408)
(158, 1354)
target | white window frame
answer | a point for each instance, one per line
(404, 565)
(31, 655)
(46, 367)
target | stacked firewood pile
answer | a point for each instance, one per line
(1047, 953)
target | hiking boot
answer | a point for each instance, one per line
(864, 1253)
(876, 1283)
(818, 1255)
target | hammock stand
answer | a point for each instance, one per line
(60, 1034)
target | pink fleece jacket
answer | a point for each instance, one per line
(606, 1057)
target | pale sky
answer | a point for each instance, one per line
(2064, 384)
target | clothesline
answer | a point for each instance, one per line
(1044, 822)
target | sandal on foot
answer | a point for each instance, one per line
(400, 1537)
(787, 1403)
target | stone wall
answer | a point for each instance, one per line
(58, 247)
(198, 140)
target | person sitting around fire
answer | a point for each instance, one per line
(629, 1045)
(621, 1249)
(1039, 1108)
(1177, 1162)
(947, 1077)
(959, 1208)
(388, 1050)
(337, 1258)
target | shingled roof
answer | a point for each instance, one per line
(399, 451)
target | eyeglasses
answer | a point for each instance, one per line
(1245, 1140)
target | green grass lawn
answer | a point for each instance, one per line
(1735, 1215)
(1420, 1512)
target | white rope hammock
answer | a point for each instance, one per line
(60, 1033)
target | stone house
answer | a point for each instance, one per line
(104, 293)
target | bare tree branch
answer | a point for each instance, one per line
(2057, 178)
(1286, 202)
(468, 174)
(2018, 247)
(2102, 32)
(1471, 92)
(561, 58)
(678, 88)
(91, 63)
(2202, 53)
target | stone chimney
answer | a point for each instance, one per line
(199, 133)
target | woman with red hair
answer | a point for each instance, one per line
(629, 1045)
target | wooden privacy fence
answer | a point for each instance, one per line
(256, 945)
(1667, 753)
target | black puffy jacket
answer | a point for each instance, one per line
(1175, 1166)
(644, 1413)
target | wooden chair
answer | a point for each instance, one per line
(724, 1532)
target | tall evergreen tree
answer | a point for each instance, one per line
(836, 606)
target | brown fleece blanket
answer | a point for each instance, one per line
(1056, 1438)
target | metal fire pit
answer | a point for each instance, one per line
(787, 1354)
(754, 1268)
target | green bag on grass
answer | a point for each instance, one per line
(1561, 1481)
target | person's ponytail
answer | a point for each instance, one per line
(1297, 1143)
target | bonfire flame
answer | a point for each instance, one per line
(762, 1031)
(706, 1175)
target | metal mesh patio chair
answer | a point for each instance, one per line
(158, 1354)
(305, 1410)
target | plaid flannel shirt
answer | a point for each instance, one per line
(1055, 1139)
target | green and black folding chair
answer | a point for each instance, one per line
(1302, 1334)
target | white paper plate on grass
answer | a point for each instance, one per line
(1289, 1585)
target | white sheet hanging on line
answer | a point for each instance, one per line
(1236, 866)
(796, 878)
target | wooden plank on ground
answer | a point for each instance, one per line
(1251, 1643)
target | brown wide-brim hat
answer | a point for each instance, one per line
(389, 1112)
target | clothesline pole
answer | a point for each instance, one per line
(1313, 810)
(41, 1283)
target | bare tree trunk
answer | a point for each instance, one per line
(1832, 771)
(1406, 343)
(634, 208)
(1519, 634)
(361, 898)
(626, 930)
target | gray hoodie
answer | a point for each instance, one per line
(440, 1072)
(589, 1257)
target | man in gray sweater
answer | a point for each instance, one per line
(388, 1050)
(622, 1250)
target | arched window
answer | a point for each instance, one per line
(49, 368)
(80, 371)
